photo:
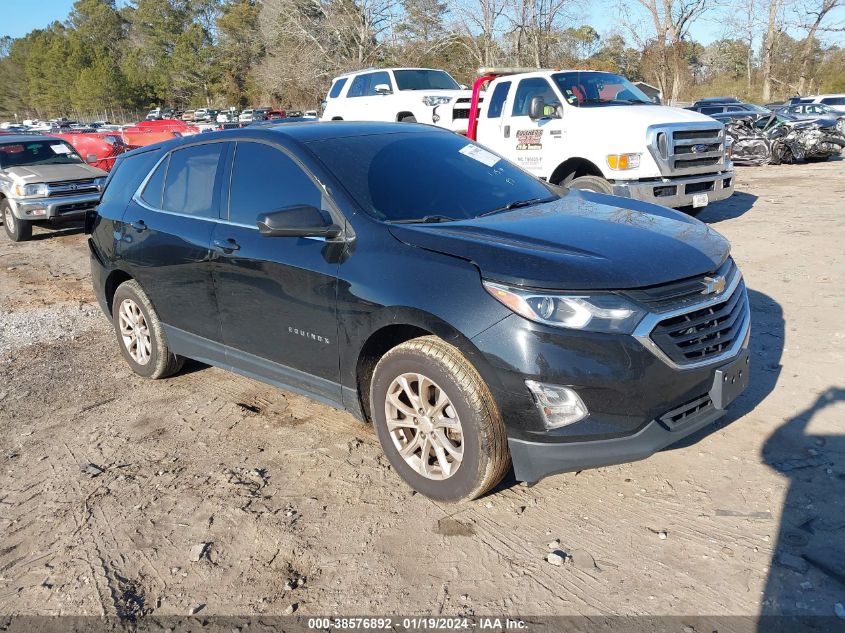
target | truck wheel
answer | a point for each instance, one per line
(140, 335)
(437, 421)
(591, 183)
(17, 230)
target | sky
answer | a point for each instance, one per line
(19, 17)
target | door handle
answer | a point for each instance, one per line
(139, 225)
(227, 246)
(507, 131)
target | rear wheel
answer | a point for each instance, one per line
(140, 334)
(437, 421)
(591, 183)
(17, 230)
(408, 118)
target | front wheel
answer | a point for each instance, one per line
(140, 334)
(16, 230)
(437, 421)
(591, 183)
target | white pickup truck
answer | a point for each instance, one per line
(596, 130)
(422, 95)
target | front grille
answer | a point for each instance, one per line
(679, 294)
(76, 207)
(704, 333)
(695, 149)
(687, 412)
(699, 187)
(72, 188)
(468, 100)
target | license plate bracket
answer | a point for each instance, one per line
(730, 380)
(700, 200)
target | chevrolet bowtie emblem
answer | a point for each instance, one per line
(713, 285)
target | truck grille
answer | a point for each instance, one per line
(703, 333)
(692, 149)
(72, 188)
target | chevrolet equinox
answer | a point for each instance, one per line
(477, 316)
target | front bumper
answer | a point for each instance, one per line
(638, 403)
(677, 192)
(57, 208)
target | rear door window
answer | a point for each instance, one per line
(497, 101)
(265, 179)
(358, 87)
(190, 186)
(334, 93)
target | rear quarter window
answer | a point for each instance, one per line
(126, 177)
(337, 86)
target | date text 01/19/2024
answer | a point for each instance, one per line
(415, 623)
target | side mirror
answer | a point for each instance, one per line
(383, 89)
(297, 221)
(91, 158)
(537, 107)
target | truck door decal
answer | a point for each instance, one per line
(529, 139)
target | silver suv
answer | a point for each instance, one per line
(43, 179)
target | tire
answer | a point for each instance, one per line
(408, 118)
(17, 230)
(691, 210)
(153, 360)
(473, 423)
(591, 183)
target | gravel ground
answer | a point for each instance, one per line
(211, 492)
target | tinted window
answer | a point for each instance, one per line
(834, 100)
(391, 175)
(530, 88)
(155, 185)
(359, 86)
(336, 88)
(265, 179)
(127, 175)
(710, 110)
(424, 80)
(374, 80)
(190, 184)
(497, 101)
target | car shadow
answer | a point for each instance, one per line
(49, 232)
(807, 571)
(733, 207)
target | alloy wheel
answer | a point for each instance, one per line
(134, 332)
(9, 218)
(424, 426)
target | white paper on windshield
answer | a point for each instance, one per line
(60, 149)
(479, 154)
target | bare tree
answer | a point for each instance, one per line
(666, 27)
(817, 12)
(774, 27)
(480, 24)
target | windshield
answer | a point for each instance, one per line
(30, 153)
(424, 80)
(437, 175)
(590, 88)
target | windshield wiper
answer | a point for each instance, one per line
(428, 219)
(518, 205)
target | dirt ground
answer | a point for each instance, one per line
(211, 492)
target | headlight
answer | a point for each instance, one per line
(436, 101)
(605, 312)
(31, 191)
(623, 161)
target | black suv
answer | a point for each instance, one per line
(473, 313)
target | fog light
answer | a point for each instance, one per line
(36, 212)
(559, 406)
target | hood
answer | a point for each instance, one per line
(55, 173)
(584, 240)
